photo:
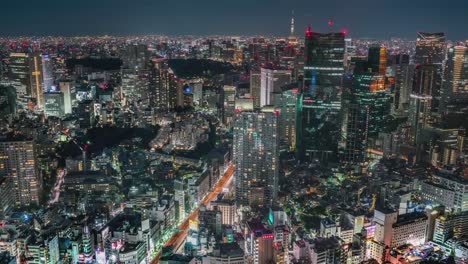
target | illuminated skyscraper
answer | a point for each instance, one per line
(68, 90)
(19, 74)
(26, 76)
(430, 48)
(377, 59)
(320, 102)
(286, 103)
(255, 152)
(229, 104)
(48, 70)
(136, 57)
(460, 70)
(353, 146)
(128, 89)
(456, 71)
(255, 84)
(162, 86)
(403, 76)
(324, 62)
(369, 89)
(18, 163)
(271, 81)
(35, 67)
(54, 104)
(318, 128)
(425, 98)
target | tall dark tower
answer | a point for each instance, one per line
(424, 98)
(320, 101)
(430, 48)
(323, 61)
(292, 39)
(377, 58)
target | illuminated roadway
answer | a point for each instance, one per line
(178, 238)
(56, 189)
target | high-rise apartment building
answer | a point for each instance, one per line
(229, 104)
(255, 84)
(255, 154)
(460, 69)
(454, 92)
(18, 163)
(163, 86)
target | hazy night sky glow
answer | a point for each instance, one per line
(362, 18)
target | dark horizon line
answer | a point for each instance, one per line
(9, 36)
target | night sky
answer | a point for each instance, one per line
(362, 18)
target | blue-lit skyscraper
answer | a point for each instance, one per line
(48, 72)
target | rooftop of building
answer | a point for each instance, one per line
(384, 210)
(321, 243)
(13, 137)
(300, 243)
(176, 258)
(458, 174)
(125, 222)
(228, 250)
(409, 218)
(258, 229)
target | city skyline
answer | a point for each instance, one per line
(214, 132)
(395, 19)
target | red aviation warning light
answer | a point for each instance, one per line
(330, 25)
(344, 31)
(308, 32)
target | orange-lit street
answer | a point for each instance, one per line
(178, 238)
